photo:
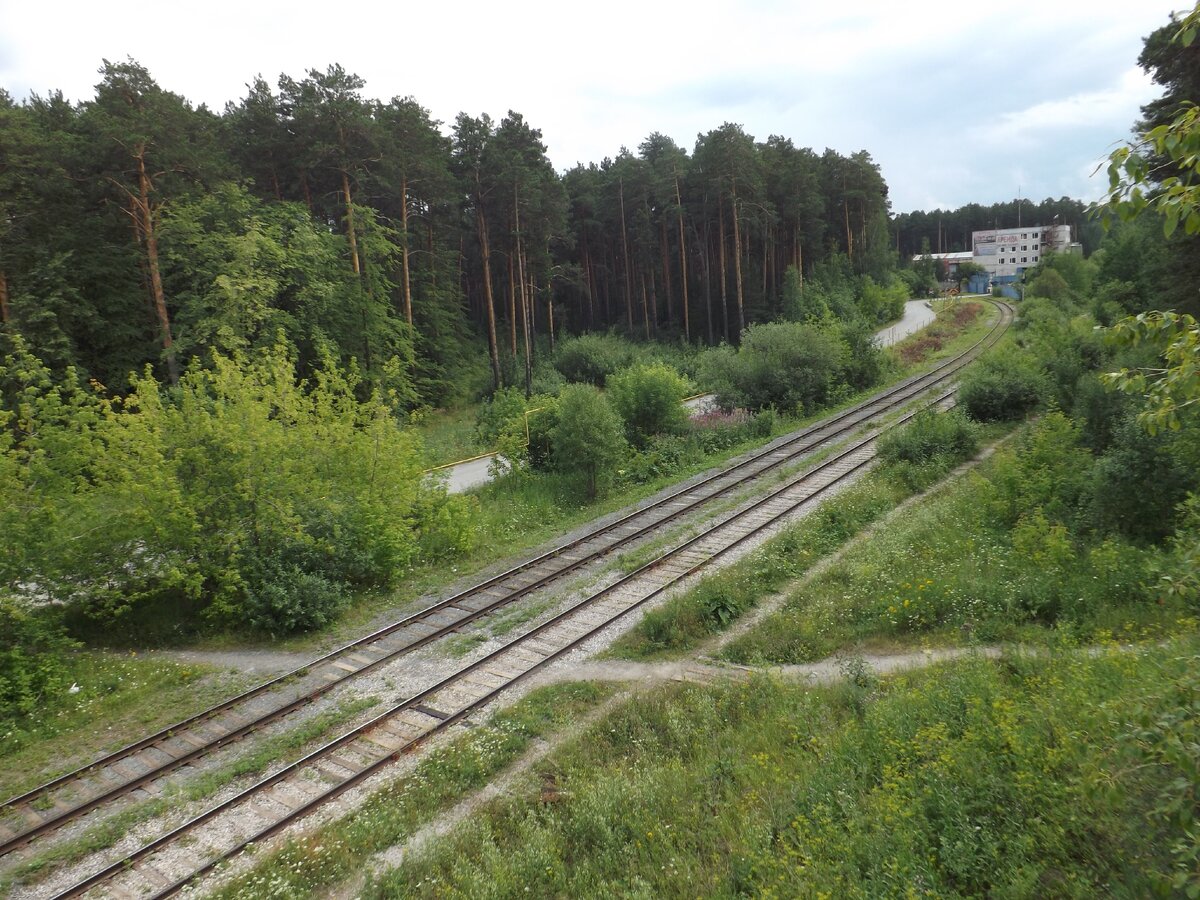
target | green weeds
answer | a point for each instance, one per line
(337, 851)
(995, 557)
(1018, 778)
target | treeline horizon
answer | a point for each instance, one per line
(136, 229)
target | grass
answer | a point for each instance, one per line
(940, 339)
(950, 570)
(494, 626)
(337, 851)
(121, 697)
(283, 747)
(449, 434)
(1025, 777)
(719, 600)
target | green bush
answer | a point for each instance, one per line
(591, 358)
(931, 443)
(494, 416)
(881, 303)
(193, 496)
(930, 435)
(588, 438)
(663, 456)
(782, 364)
(865, 363)
(649, 399)
(803, 302)
(1000, 388)
(33, 659)
(1138, 483)
(287, 598)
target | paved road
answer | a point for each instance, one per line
(467, 475)
(917, 315)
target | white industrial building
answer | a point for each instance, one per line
(1007, 252)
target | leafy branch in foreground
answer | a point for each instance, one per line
(1175, 384)
(1172, 387)
(1161, 170)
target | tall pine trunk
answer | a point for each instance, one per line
(156, 286)
(486, 251)
(408, 312)
(645, 308)
(706, 266)
(737, 262)
(846, 211)
(653, 303)
(665, 251)
(625, 255)
(525, 311)
(512, 305)
(354, 261)
(590, 292)
(4, 314)
(721, 262)
(683, 269)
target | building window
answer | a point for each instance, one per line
(1023, 259)
(1024, 236)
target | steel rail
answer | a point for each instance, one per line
(828, 429)
(448, 719)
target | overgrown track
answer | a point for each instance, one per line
(75, 794)
(168, 864)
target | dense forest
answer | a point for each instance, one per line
(139, 229)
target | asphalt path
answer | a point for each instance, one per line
(917, 315)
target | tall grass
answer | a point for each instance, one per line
(955, 569)
(1023, 778)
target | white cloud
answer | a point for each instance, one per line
(1109, 106)
(900, 80)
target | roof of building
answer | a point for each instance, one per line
(957, 256)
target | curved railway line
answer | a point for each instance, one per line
(166, 865)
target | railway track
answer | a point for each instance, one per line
(172, 862)
(78, 793)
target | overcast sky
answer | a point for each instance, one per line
(958, 102)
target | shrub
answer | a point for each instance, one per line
(865, 362)
(588, 437)
(33, 660)
(1050, 284)
(243, 493)
(803, 302)
(1000, 388)
(881, 303)
(287, 598)
(591, 358)
(1138, 483)
(931, 440)
(504, 406)
(782, 364)
(649, 399)
(664, 455)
